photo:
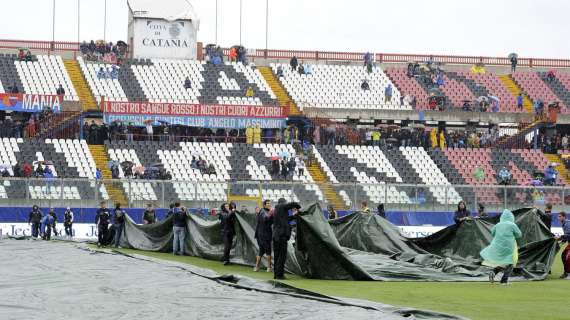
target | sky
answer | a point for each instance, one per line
(532, 28)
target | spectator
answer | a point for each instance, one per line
(550, 76)
(17, 170)
(520, 101)
(115, 172)
(280, 72)
(439, 80)
(39, 171)
(275, 167)
(98, 174)
(462, 213)
(149, 130)
(364, 85)
(21, 55)
(29, 56)
(308, 69)
(14, 89)
(249, 92)
(388, 93)
(291, 167)
(300, 166)
(284, 170)
(101, 74)
(301, 69)
(233, 54)
(114, 72)
(293, 63)
(504, 176)
(27, 169)
(60, 90)
(550, 175)
(514, 62)
(187, 83)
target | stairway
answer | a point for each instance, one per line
(328, 191)
(282, 96)
(514, 89)
(562, 171)
(101, 160)
(86, 98)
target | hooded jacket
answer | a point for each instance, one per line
(503, 249)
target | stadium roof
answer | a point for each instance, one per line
(169, 10)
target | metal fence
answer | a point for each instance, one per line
(83, 193)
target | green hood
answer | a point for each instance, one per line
(507, 215)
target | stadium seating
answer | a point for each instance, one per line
(409, 86)
(162, 80)
(45, 75)
(558, 85)
(336, 86)
(533, 85)
(8, 73)
(102, 87)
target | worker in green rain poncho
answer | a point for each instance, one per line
(502, 253)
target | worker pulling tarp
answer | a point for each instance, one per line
(363, 247)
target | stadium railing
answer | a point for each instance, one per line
(421, 197)
(59, 46)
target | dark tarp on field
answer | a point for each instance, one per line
(364, 247)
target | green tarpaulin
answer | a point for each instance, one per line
(364, 247)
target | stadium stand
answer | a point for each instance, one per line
(409, 86)
(162, 80)
(533, 85)
(9, 74)
(44, 76)
(336, 86)
(557, 85)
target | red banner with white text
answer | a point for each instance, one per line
(193, 110)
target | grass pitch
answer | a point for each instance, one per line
(478, 301)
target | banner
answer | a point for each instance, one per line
(89, 230)
(192, 110)
(29, 102)
(201, 122)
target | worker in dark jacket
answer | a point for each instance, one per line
(54, 216)
(263, 234)
(102, 220)
(282, 233)
(118, 223)
(179, 216)
(462, 213)
(35, 219)
(227, 219)
(149, 215)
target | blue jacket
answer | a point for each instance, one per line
(566, 230)
(519, 100)
(550, 173)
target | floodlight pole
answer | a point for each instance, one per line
(216, 36)
(240, 20)
(105, 23)
(78, 21)
(53, 24)
(266, 25)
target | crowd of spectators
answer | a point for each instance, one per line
(284, 167)
(102, 51)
